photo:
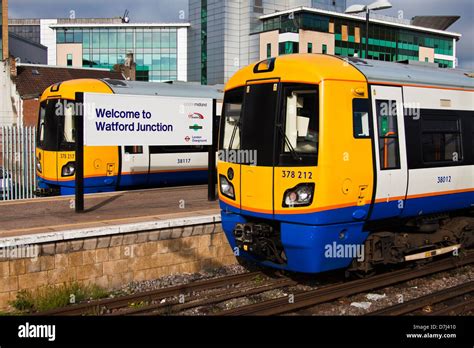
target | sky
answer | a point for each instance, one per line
(173, 11)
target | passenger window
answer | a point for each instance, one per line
(441, 139)
(389, 151)
(133, 150)
(360, 116)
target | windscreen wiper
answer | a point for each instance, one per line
(234, 131)
(294, 154)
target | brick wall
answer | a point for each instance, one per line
(30, 112)
(113, 261)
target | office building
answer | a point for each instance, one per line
(221, 39)
(310, 30)
(159, 49)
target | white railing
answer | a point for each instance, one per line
(17, 163)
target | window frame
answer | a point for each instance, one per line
(285, 158)
(360, 109)
(395, 137)
(423, 131)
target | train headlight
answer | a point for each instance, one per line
(299, 196)
(38, 166)
(227, 189)
(68, 169)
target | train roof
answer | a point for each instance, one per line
(169, 89)
(412, 73)
(315, 68)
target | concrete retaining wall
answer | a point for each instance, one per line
(111, 260)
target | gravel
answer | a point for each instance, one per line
(359, 304)
(179, 279)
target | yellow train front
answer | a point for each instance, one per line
(298, 165)
(111, 168)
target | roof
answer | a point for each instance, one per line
(310, 68)
(412, 73)
(37, 21)
(120, 25)
(360, 19)
(434, 22)
(175, 89)
(306, 68)
(32, 80)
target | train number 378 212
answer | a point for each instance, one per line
(291, 174)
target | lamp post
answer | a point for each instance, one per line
(378, 5)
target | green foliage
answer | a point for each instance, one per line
(50, 297)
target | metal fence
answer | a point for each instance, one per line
(17, 163)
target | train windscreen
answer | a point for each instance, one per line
(56, 125)
(280, 122)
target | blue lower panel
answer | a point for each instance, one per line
(309, 249)
(109, 183)
(438, 204)
(384, 210)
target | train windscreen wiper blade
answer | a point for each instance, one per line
(234, 131)
(293, 152)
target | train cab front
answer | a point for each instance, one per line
(271, 185)
(55, 156)
(56, 143)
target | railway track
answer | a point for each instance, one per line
(152, 301)
(456, 294)
(207, 294)
(330, 293)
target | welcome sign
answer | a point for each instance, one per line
(121, 120)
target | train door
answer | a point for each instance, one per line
(390, 152)
(258, 139)
(135, 165)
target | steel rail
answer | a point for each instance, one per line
(426, 300)
(459, 308)
(197, 301)
(332, 292)
(124, 301)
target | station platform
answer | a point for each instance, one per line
(121, 237)
(140, 208)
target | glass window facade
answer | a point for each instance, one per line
(29, 32)
(388, 43)
(444, 63)
(288, 47)
(204, 42)
(306, 21)
(385, 42)
(154, 49)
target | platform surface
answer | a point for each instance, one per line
(45, 215)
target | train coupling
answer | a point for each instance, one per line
(260, 240)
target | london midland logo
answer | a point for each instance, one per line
(195, 127)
